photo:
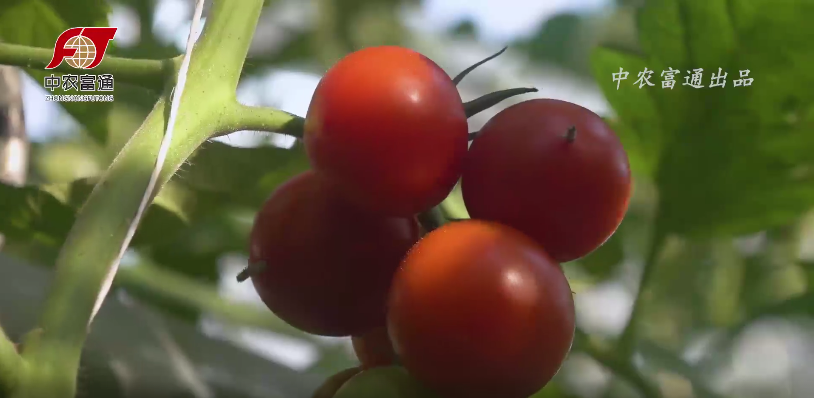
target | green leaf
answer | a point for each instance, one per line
(243, 175)
(45, 214)
(637, 124)
(32, 214)
(602, 262)
(39, 23)
(729, 160)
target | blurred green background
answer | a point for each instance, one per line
(720, 229)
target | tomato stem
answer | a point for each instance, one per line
(571, 134)
(487, 101)
(251, 270)
(457, 79)
(431, 219)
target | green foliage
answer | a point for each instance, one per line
(729, 160)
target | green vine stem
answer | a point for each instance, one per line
(627, 340)
(257, 118)
(143, 72)
(93, 243)
(618, 364)
(242, 117)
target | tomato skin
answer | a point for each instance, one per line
(374, 348)
(387, 125)
(479, 310)
(569, 196)
(329, 264)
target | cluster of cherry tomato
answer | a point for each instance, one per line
(474, 308)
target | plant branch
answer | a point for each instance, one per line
(10, 364)
(94, 242)
(620, 365)
(627, 340)
(257, 118)
(150, 191)
(143, 72)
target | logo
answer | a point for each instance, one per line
(81, 48)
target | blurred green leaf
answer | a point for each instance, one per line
(243, 175)
(559, 40)
(45, 214)
(57, 162)
(671, 361)
(39, 23)
(637, 124)
(32, 214)
(729, 160)
(553, 390)
(602, 262)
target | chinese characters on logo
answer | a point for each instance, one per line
(692, 78)
(81, 83)
(81, 48)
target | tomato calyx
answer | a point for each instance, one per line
(457, 79)
(251, 270)
(487, 101)
(571, 134)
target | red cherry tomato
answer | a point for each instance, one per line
(552, 169)
(374, 348)
(329, 264)
(387, 125)
(480, 310)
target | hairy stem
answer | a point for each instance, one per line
(143, 72)
(95, 239)
(258, 118)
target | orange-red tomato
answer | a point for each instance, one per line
(374, 349)
(552, 169)
(480, 310)
(388, 127)
(329, 264)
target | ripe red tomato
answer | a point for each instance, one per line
(329, 264)
(522, 170)
(374, 348)
(478, 309)
(387, 125)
